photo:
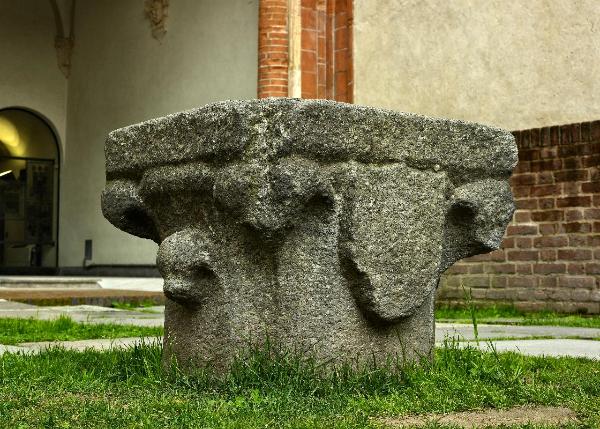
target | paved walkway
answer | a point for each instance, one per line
(148, 284)
(551, 347)
(485, 331)
(151, 316)
(503, 337)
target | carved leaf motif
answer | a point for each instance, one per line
(157, 11)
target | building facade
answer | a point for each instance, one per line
(86, 68)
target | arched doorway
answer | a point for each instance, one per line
(29, 184)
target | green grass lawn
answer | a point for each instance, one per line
(14, 331)
(499, 314)
(267, 389)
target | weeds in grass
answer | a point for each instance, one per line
(469, 300)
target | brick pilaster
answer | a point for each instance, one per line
(273, 42)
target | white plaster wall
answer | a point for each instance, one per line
(515, 64)
(121, 75)
(29, 74)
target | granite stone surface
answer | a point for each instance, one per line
(322, 225)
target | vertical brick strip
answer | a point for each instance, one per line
(273, 41)
(327, 49)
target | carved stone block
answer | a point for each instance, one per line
(324, 225)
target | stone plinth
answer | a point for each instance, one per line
(325, 226)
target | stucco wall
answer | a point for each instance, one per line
(512, 64)
(29, 75)
(121, 75)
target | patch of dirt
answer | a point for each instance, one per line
(489, 418)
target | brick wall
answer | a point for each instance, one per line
(325, 48)
(272, 48)
(550, 256)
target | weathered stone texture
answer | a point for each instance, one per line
(322, 224)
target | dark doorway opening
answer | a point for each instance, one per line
(29, 193)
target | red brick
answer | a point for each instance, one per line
(573, 202)
(576, 282)
(476, 281)
(525, 138)
(593, 240)
(548, 152)
(549, 268)
(498, 256)
(596, 202)
(595, 131)
(545, 178)
(551, 241)
(587, 149)
(475, 269)
(544, 190)
(458, 269)
(545, 165)
(522, 216)
(309, 85)
(545, 136)
(508, 242)
(582, 227)
(597, 254)
(309, 18)
(573, 163)
(585, 131)
(478, 258)
(576, 268)
(554, 135)
(567, 151)
(565, 134)
(522, 167)
(590, 161)
(590, 188)
(522, 255)
(521, 230)
(548, 281)
(592, 268)
(548, 255)
(546, 203)
(571, 215)
(591, 213)
(499, 268)
(571, 188)
(577, 240)
(529, 154)
(575, 132)
(574, 254)
(523, 179)
(309, 40)
(571, 175)
(535, 137)
(310, 4)
(517, 281)
(548, 228)
(524, 269)
(524, 242)
(498, 282)
(548, 216)
(526, 204)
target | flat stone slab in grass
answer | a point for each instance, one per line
(533, 415)
(589, 349)
(488, 331)
(324, 226)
